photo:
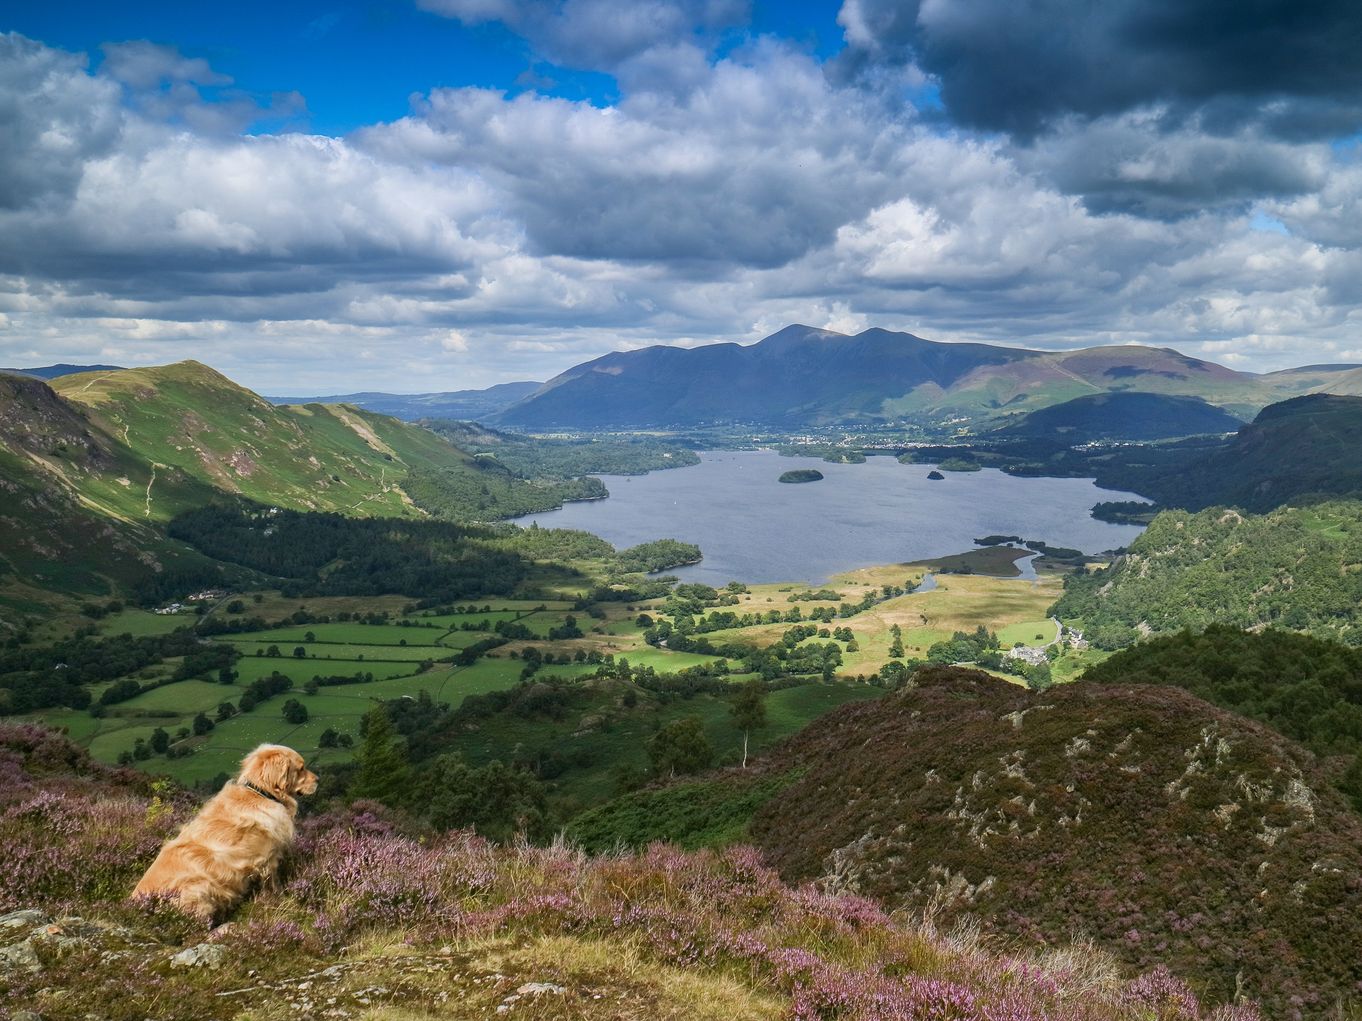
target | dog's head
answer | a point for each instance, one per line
(278, 770)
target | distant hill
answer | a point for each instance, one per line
(1336, 377)
(1304, 447)
(807, 376)
(1123, 415)
(458, 404)
(1159, 826)
(61, 369)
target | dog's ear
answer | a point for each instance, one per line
(270, 767)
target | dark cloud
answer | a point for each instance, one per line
(755, 167)
(1287, 65)
(1128, 164)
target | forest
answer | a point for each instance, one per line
(488, 492)
(327, 554)
(1292, 568)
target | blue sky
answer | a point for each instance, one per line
(437, 194)
(356, 64)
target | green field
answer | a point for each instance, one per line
(144, 622)
(1030, 632)
(601, 732)
(349, 634)
(455, 621)
(318, 653)
(252, 668)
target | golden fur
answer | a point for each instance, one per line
(237, 840)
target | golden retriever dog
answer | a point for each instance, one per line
(237, 840)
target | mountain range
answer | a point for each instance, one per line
(802, 376)
(60, 369)
(457, 404)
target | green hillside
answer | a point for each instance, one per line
(313, 457)
(97, 464)
(1044, 379)
(1298, 568)
(76, 517)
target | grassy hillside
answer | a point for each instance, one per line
(1141, 817)
(314, 457)
(97, 464)
(77, 518)
(1046, 379)
(1292, 567)
(378, 922)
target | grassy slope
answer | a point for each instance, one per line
(1049, 379)
(74, 518)
(94, 467)
(317, 457)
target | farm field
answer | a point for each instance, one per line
(350, 634)
(580, 755)
(321, 653)
(1014, 608)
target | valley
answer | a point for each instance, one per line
(343, 655)
(881, 682)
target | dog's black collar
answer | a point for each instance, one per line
(258, 790)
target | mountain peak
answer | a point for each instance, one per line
(798, 333)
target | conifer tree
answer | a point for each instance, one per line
(384, 774)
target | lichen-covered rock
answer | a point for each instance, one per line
(205, 955)
(24, 919)
(19, 957)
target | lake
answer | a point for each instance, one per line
(752, 528)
